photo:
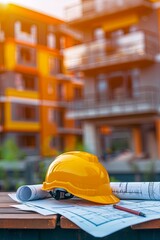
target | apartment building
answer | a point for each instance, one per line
(120, 59)
(34, 84)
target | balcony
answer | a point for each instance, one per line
(134, 47)
(69, 78)
(64, 130)
(88, 10)
(26, 56)
(27, 35)
(144, 100)
(65, 29)
(25, 82)
(22, 112)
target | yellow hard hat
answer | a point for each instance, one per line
(81, 174)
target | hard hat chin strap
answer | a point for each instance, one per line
(60, 194)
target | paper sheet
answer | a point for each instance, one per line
(136, 190)
(31, 192)
(98, 220)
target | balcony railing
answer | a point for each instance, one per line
(26, 37)
(64, 130)
(69, 31)
(91, 8)
(126, 48)
(143, 100)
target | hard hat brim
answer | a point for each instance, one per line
(89, 195)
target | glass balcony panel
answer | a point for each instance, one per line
(92, 7)
(73, 55)
(144, 99)
(107, 51)
(22, 112)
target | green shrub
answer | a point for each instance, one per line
(9, 151)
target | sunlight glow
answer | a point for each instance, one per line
(5, 1)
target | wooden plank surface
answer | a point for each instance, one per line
(153, 224)
(14, 218)
(67, 224)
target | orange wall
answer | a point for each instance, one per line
(137, 140)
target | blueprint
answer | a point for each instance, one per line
(31, 192)
(136, 190)
(98, 220)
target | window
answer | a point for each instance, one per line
(26, 56)
(22, 112)
(54, 65)
(28, 113)
(51, 41)
(135, 75)
(19, 82)
(62, 43)
(101, 87)
(27, 141)
(58, 143)
(116, 87)
(60, 92)
(77, 93)
(50, 88)
(77, 123)
(58, 117)
(102, 84)
(51, 115)
(2, 34)
(29, 82)
(25, 82)
(25, 53)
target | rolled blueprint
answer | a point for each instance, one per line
(136, 190)
(123, 190)
(31, 192)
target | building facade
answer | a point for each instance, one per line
(120, 59)
(34, 84)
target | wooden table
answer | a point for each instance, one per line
(16, 224)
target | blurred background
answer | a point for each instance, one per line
(79, 75)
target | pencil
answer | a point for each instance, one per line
(129, 210)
